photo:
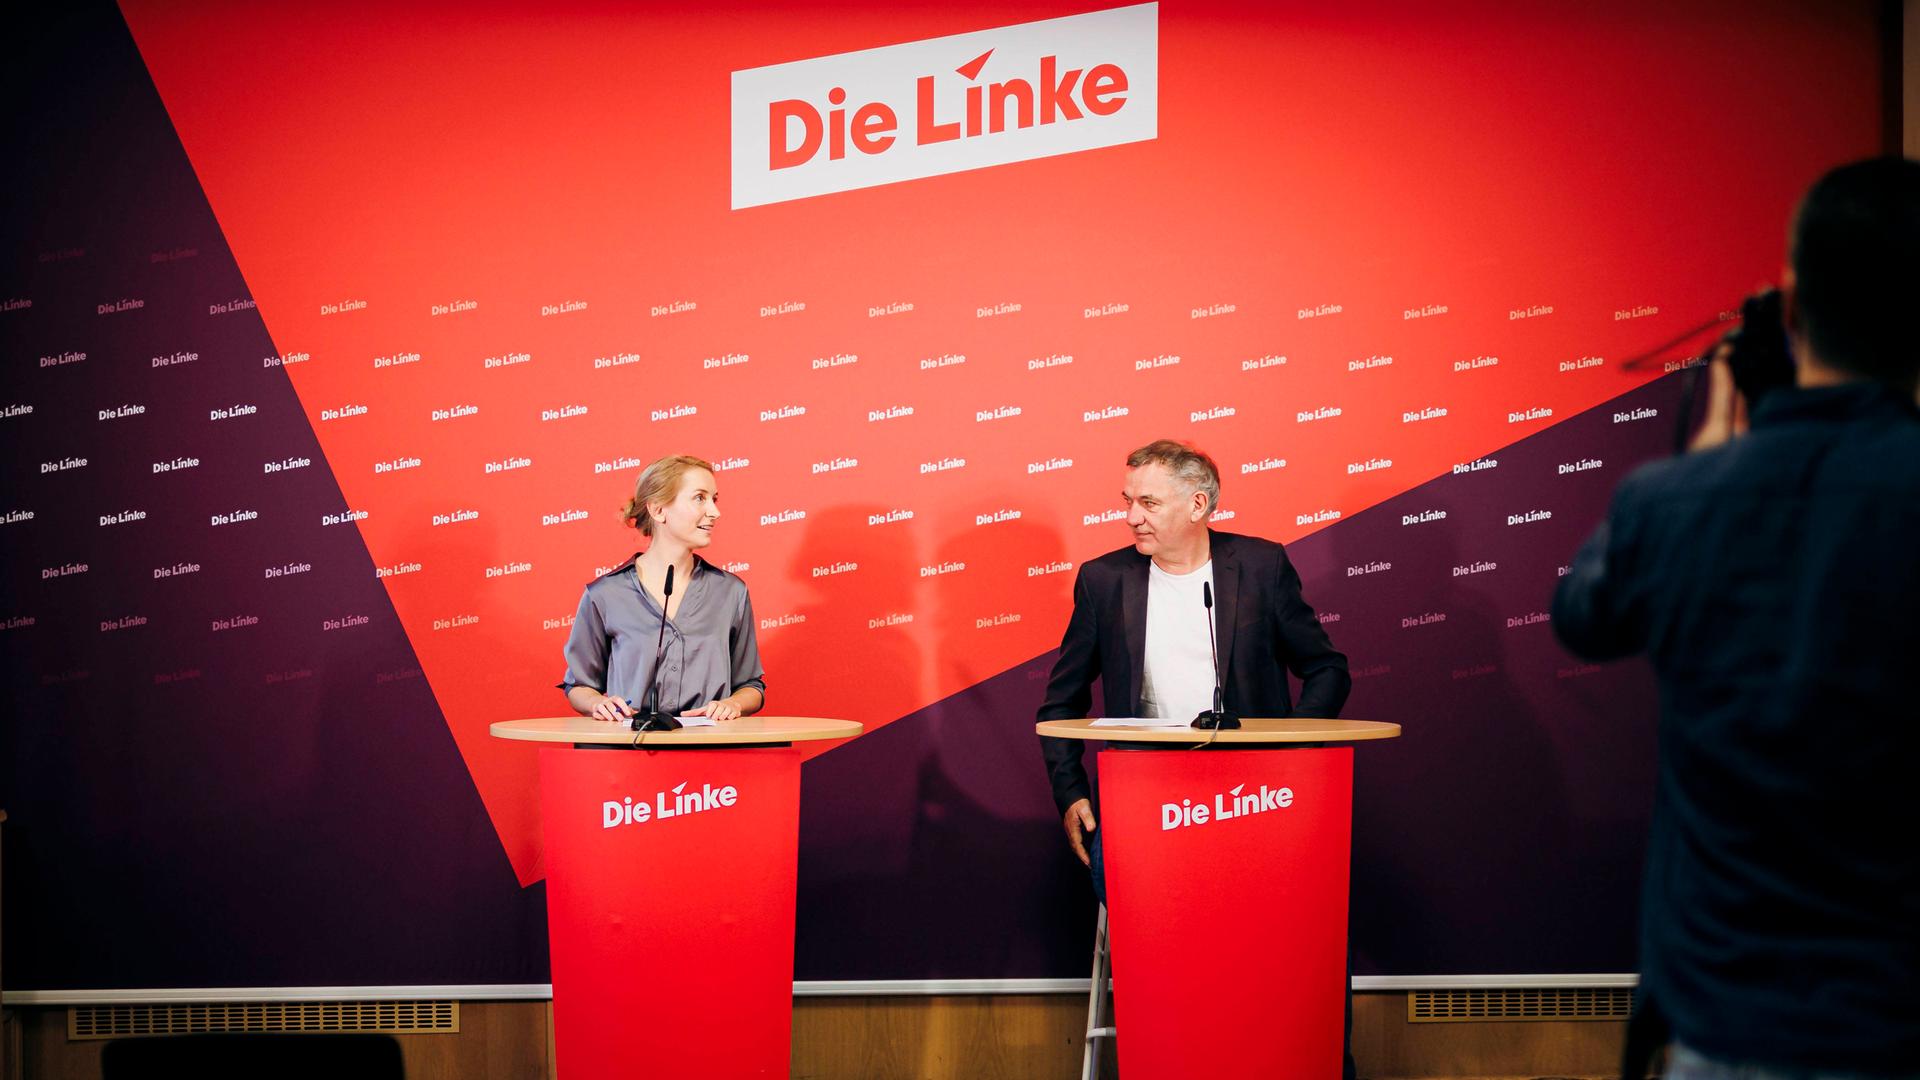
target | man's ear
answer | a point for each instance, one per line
(1795, 322)
(1790, 302)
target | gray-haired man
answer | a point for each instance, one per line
(1139, 625)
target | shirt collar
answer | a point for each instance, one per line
(700, 565)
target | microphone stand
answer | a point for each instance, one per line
(1218, 718)
(650, 718)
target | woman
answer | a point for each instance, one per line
(710, 662)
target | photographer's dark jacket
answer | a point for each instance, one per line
(1774, 583)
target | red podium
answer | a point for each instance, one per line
(1227, 877)
(670, 892)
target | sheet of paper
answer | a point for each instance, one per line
(1141, 722)
(695, 721)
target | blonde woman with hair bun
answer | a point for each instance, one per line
(710, 663)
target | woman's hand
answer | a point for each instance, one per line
(613, 709)
(721, 710)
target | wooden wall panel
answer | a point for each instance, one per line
(504, 1039)
(989, 1037)
(1019, 1037)
(1385, 1045)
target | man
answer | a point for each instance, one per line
(1773, 579)
(1139, 626)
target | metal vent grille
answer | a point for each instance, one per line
(1442, 1006)
(394, 1017)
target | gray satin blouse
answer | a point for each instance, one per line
(711, 650)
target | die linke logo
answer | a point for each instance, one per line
(1234, 802)
(945, 105)
(677, 802)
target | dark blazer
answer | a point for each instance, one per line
(1264, 628)
(1773, 584)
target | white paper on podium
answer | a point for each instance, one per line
(695, 720)
(1141, 722)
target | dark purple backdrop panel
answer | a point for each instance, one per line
(197, 798)
(1502, 833)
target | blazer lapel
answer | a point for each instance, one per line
(1133, 619)
(1226, 598)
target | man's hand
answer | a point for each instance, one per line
(1079, 821)
(1726, 407)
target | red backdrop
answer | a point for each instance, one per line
(1543, 185)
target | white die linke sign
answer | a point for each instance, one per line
(945, 105)
(1232, 803)
(682, 802)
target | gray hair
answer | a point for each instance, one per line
(1188, 463)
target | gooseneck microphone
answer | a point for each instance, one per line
(650, 718)
(1218, 717)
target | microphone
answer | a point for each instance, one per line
(1218, 717)
(650, 718)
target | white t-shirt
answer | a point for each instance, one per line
(1178, 680)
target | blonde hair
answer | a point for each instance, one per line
(658, 483)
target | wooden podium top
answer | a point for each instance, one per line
(747, 729)
(1250, 733)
